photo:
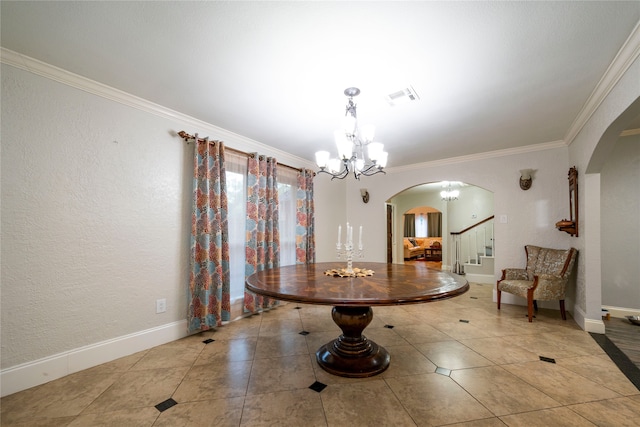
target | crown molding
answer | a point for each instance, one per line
(60, 75)
(625, 57)
(480, 156)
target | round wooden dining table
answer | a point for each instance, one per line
(352, 298)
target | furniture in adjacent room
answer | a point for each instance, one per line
(352, 298)
(414, 246)
(433, 252)
(544, 278)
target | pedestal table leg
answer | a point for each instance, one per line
(352, 354)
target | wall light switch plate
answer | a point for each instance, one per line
(503, 219)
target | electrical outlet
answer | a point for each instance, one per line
(161, 305)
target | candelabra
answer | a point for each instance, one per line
(348, 253)
(347, 250)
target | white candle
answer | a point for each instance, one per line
(360, 238)
(339, 233)
(346, 239)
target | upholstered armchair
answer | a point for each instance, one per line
(544, 278)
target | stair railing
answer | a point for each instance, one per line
(472, 243)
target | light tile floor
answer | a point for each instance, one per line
(258, 370)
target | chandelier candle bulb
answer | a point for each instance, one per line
(322, 158)
(375, 151)
(382, 162)
(360, 239)
(339, 234)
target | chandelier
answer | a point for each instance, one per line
(448, 194)
(351, 142)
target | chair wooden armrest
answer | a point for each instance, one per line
(514, 274)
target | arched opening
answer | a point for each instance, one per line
(614, 164)
(422, 236)
(472, 211)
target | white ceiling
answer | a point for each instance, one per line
(490, 75)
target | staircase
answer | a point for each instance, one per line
(473, 250)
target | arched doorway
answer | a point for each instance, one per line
(422, 236)
(615, 164)
(473, 205)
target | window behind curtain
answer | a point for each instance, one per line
(236, 172)
(287, 188)
(421, 226)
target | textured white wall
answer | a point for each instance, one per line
(95, 201)
(472, 201)
(96, 213)
(621, 225)
(586, 152)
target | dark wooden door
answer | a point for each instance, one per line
(389, 234)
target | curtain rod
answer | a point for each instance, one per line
(182, 134)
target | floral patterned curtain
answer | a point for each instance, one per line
(263, 240)
(209, 281)
(305, 235)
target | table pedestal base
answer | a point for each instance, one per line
(352, 354)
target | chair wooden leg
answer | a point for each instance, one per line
(530, 304)
(563, 313)
(499, 295)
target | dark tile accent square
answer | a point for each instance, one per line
(388, 326)
(464, 321)
(208, 341)
(547, 359)
(304, 333)
(443, 371)
(163, 406)
(317, 386)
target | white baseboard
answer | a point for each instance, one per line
(621, 312)
(487, 279)
(589, 325)
(31, 374)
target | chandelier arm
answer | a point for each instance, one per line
(374, 173)
(340, 175)
(374, 165)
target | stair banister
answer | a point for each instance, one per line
(458, 241)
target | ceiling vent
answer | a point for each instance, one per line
(403, 96)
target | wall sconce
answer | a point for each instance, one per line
(526, 177)
(365, 195)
